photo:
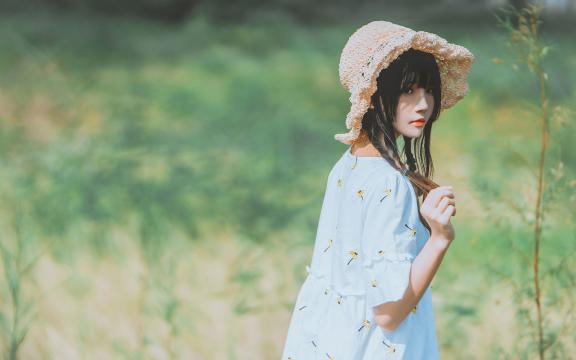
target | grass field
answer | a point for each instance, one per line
(164, 184)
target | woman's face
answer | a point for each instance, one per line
(415, 107)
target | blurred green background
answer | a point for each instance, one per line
(163, 165)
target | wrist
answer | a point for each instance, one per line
(439, 243)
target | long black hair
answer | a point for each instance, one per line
(411, 67)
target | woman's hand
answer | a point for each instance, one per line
(438, 207)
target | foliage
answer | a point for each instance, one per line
(133, 142)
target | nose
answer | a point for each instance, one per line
(422, 104)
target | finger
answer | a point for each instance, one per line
(445, 216)
(433, 199)
(436, 213)
(437, 194)
(441, 194)
(444, 203)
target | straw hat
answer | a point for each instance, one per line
(374, 46)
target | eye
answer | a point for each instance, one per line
(430, 91)
(407, 90)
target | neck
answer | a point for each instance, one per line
(363, 147)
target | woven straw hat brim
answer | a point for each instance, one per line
(374, 46)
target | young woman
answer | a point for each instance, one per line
(367, 294)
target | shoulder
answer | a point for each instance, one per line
(387, 182)
(385, 175)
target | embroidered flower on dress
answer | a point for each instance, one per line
(329, 245)
(412, 230)
(353, 255)
(387, 193)
(391, 348)
(365, 323)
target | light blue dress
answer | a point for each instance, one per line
(368, 235)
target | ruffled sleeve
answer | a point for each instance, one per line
(388, 240)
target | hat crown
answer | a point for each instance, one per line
(365, 49)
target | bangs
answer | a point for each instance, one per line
(419, 68)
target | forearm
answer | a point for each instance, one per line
(424, 267)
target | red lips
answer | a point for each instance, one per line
(418, 122)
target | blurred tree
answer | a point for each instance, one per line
(518, 3)
(165, 10)
(303, 10)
